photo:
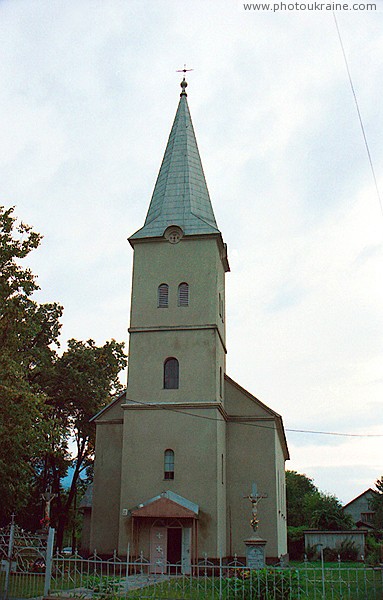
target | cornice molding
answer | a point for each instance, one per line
(174, 406)
(109, 421)
(157, 328)
(197, 405)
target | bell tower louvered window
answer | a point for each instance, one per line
(171, 374)
(163, 295)
(169, 464)
(183, 294)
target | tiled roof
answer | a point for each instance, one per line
(169, 495)
(180, 195)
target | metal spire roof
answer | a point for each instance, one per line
(180, 195)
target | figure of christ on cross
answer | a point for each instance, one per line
(254, 498)
(47, 497)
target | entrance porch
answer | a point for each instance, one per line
(167, 527)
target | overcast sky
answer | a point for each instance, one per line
(88, 93)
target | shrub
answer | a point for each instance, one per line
(264, 584)
(296, 542)
(330, 554)
(348, 551)
(373, 550)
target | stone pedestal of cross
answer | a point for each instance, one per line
(255, 545)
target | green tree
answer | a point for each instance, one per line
(325, 512)
(47, 400)
(84, 380)
(308, 508)
(27, 332)
(298, 486)
(376, 504)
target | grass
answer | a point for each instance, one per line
(303, 581)
(305, 584)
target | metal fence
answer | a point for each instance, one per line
(25, 567)
(76, 577)
(140, 580)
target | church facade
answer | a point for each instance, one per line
(179, 449)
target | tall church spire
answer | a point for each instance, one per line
(180, 195)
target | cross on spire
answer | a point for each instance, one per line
(184, 70)
(183, 83)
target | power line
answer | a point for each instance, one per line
(359, 113)
(309, 431)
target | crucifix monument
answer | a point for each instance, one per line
(255, 546)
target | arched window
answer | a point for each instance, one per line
(163, 295)
(183, 294)
(171, 374)
(169, 464)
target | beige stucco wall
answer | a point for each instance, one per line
(253, 454)
(195, 351)
(194, 261)
(85, 531)
(251, 458)
(106, 487)
(195, 334)
(215, 461)
(280, 484)
(215, 465)
(221, 489)
(147, 434)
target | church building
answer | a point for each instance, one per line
(179, 449)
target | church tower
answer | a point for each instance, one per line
(177, 327)
(171, 463)
(177, 339)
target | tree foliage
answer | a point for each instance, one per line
(27, 331)
(298, 486)
(376, 504)
(325, 512)
(309, 508)
(82, 382)
(47, 400)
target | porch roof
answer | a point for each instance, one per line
(165, 505)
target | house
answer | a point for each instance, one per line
(360, 509)
(177, 452)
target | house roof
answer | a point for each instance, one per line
(167, 504)
(363, 525)
(370, 492)
(180, 194)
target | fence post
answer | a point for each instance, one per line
(9, 558)
(127, 569)
(220, 574)
(48, 561)
(323, 575)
